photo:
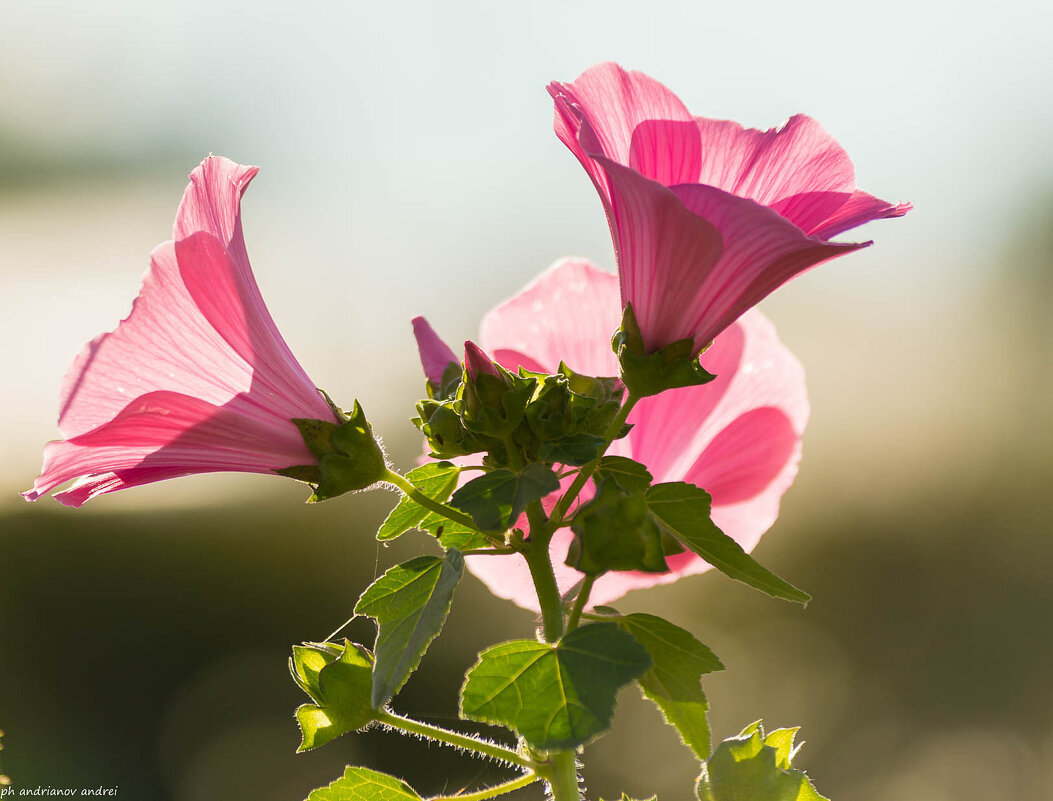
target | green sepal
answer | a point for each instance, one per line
(436, 480)
(410, 603)
(683, 510)
(306, 663)
(755, 767)
(441, 423)
(645, 374)
(615, 531)
(340, 687)
(493, 405)
(349, 456)
(496, 499)
(448, 385)
(673, 683)
(362, 784)
(576, 449)
(554, 696)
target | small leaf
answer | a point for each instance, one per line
(555, 696)
(341, 691)
(436, 480)
(410, 603)
(362, 784)
(673, 683)
(630, 475)
(749, 768)
(615, 531)
(496, 499)
(684, 511)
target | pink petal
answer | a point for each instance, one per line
(665, 251)
(171, 431)
(744, 458)
(435, 355)
(858, 209)
(613, 102)
(560, 315)
(235, 311)
(762, 251)
(512, 360)
(767, 166)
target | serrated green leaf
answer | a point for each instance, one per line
(628, 474)
(673, 682)
(362, 784)
(555, 696)
(341, 691)
(494, 500)
(782, 741)
(410, 603)
(684, 510)
(436, 480)
(454, 535)
(747, 768)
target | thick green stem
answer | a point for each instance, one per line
(540, 563)
(491, 792)
(428, 503)
(564, 780)
(580, 601)
(465, 741)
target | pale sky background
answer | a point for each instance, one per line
(409, 167)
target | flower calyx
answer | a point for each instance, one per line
(674, 365)
(349, 456)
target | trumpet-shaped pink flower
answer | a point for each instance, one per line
(738, 437)
(707, 217)
(197, 378)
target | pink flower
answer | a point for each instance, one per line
(738, 437)
(707, 217)
(197, 378)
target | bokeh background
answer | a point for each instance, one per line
(409, 167)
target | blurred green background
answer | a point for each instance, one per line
(409, 167)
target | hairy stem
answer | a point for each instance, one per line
(564, 781)
(429, 503)
(491, 792)
(465, 741)
(580, 601)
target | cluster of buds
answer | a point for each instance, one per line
(478, 406)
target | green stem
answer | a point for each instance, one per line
(428, 503)
(539, 561)
(563, 505)
(465, 741)
(564, 781)
(491, 792)
(580, 601)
